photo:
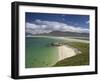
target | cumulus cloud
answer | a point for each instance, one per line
(87, 22)
(40, 27)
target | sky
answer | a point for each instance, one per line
(38, 23)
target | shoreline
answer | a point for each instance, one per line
(69, 39)
(66, 52)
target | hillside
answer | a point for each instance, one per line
(58, 33)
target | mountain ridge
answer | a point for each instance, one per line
(59, 33)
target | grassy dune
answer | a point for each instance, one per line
(79, 59)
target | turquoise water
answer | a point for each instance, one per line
(39, 53)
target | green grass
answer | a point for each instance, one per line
(79, 59)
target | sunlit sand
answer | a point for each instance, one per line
(66, 52)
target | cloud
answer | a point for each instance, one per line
(40, 27)
(87, 22)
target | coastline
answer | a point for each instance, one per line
(70, 39)
(65, 52)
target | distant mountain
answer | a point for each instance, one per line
(59, 33)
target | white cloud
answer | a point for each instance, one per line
(87, 22)
(39, 27)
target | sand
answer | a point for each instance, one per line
(65, 52)
(69, 39)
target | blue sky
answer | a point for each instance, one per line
(71, 21)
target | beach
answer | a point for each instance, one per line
(47, 52)
(65, 52)
(69, 39)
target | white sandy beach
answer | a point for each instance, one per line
(69, 39)
(65, 52)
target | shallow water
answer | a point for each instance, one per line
(39, 53)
